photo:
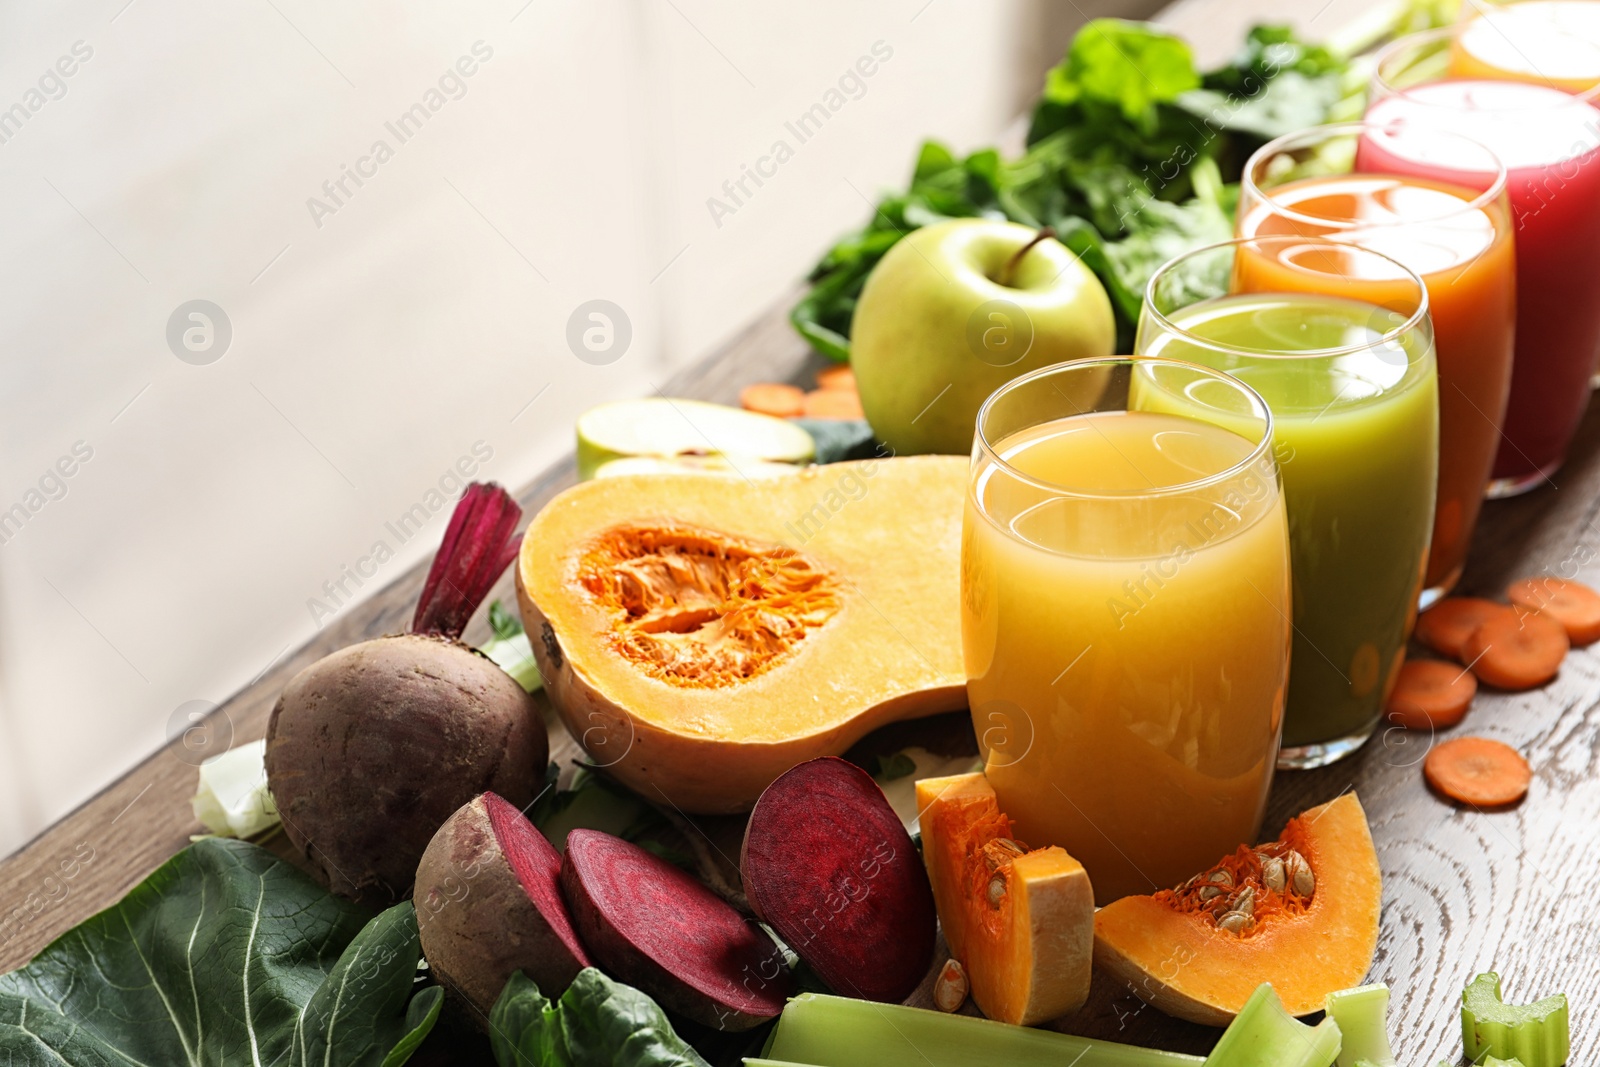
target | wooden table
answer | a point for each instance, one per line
(1464, 891)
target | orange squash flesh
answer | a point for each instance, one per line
(1020, 922)
(701, 635)
(1170, 949)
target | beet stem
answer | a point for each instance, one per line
(479, 544)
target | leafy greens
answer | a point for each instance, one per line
(225, 955)
(595, 1021)
(1129, 158)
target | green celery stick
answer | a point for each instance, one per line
(1534, 1033)
(1263, 1034)
(1363, 1017)
(827, 1031)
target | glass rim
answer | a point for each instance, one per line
(1311, 134)
(1389, 338)
(1262, 447)
(1445, 33)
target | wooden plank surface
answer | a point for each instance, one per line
(1464, 890)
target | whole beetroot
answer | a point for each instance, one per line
(372, 748)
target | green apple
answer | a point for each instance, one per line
(952, 312)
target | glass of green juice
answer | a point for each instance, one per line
(1339, 341)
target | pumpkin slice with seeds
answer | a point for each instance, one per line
(1300, 912)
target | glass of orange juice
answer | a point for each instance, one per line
(1453, 228)
(1125, 614)
(1547, 42)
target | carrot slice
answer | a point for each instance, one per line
(1431, 693)
(1447, 625)
(833, 404)
(773, 398)
(837, 376)
(1516, 651)
(1476, 770)
(1574, 605)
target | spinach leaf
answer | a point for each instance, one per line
(840, 439)
(595, 1021)
(225, 955)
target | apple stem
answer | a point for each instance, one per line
(1011, 264)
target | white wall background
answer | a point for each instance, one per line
(375, 345)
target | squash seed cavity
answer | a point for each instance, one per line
(1249, 888)
(700, 609)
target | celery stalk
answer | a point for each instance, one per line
(1363, 1017)
(1263, 1034)
(826, 1031)
(1534, 1033)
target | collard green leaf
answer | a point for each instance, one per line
(225, 955)
(595, 1021)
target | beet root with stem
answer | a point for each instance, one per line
(371, 749)
(829, 866)
(657, 928)
(488, 899)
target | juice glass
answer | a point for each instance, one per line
(1337, 339)
(1548, 42)
(1125, 614)
(1455, 234)
(1549, 141)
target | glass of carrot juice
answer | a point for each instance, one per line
(1125, 614)
(1452, 228)
(1337, 339)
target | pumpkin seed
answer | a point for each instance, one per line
(1273, 875)
(1246, 902)
(950, 990)
(1299, 874)
(1222, 877)
(1236, 923)
(997, 889)
(1000, 851)
(1210, 892)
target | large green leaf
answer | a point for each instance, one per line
(225, 955)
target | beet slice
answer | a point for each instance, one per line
(488, 899)
(829, 866)
(655, 927)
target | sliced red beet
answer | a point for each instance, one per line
(829, 866)
(488, 900)
(655, 927)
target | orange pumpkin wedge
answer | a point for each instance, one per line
(1021, 922)
(1300, 912)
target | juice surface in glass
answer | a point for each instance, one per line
(1549, 142)
(1357, 439)
(1548, 42)
(1127, 645)
(1463, 254)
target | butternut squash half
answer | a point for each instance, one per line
(701, 634)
